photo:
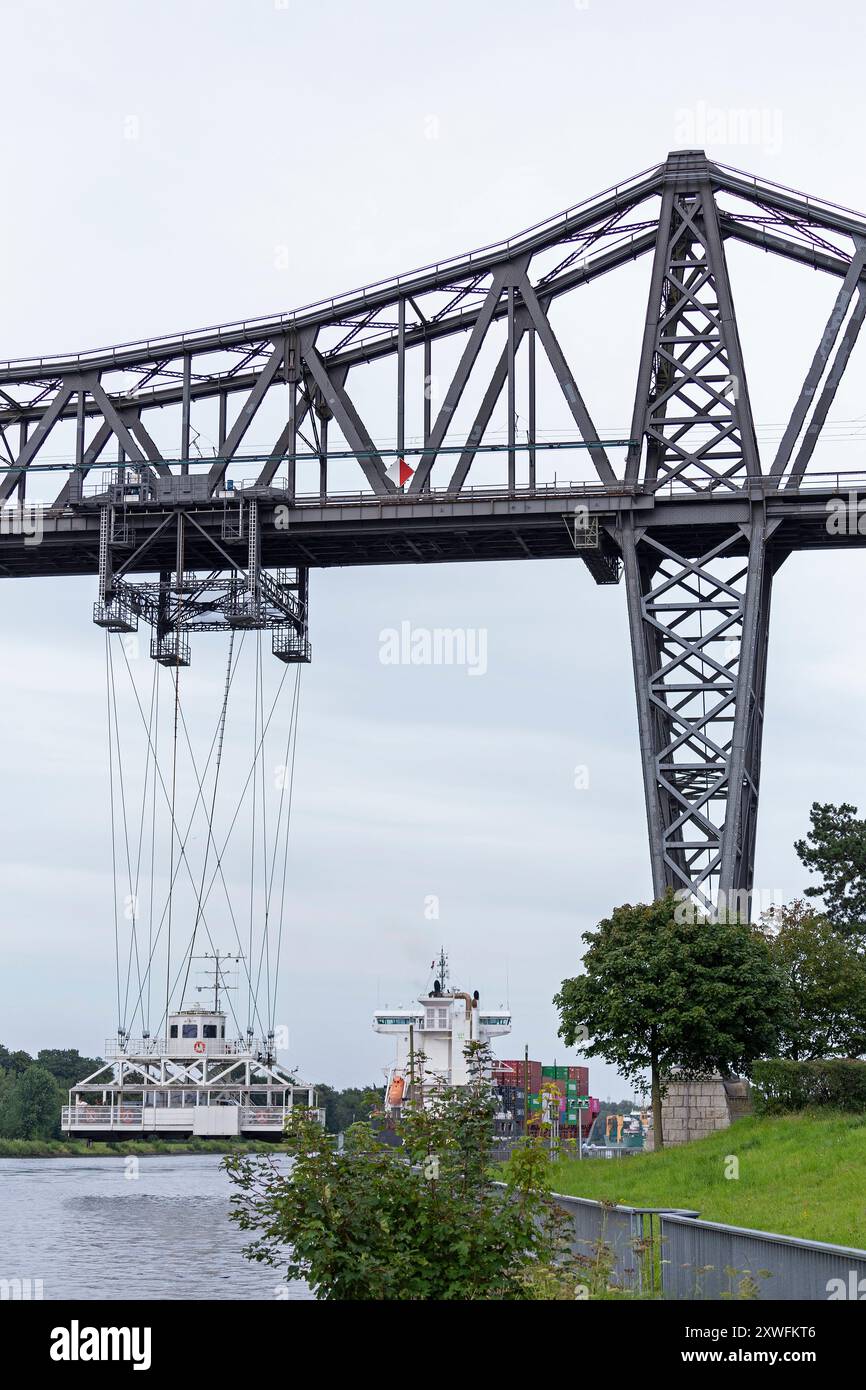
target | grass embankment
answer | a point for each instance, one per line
(799, 1175)
(78, 1148)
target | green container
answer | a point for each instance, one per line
(555, 1073)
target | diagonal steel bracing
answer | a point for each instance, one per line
(692, 423)
(698, 629)
(698, 623)
(690, 519)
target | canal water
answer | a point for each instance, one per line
(111, 1228)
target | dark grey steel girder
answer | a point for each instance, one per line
(696, 621)
(690, 519)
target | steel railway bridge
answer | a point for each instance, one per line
(690, 518)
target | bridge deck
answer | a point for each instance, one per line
(435, 527)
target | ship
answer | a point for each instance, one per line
(432, 1035)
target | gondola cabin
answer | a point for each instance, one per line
(195, 1082)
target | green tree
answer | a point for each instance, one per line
(345, 1108)
(14, 1061)
(826, 978)
(67, 1065)
(661, 993)
(420, 1222)
(31, 1108)
(835, 848)
(8, 1082)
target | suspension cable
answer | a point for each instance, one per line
(145, 1019)
(222, 726)
(289, 768)
(172, 807)
(199, 798)
(133, 953)
(253, 829)
(183, 858)
(113, 844)
(265, 932)
(178, 853)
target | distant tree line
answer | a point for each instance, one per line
(32, 1090)
(345, 1108)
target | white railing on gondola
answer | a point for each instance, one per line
(173, 1047)
(76, 1116)
(100, 1116)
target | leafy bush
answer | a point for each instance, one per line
(420, 1221)
(781, 1085)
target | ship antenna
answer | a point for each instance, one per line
(443, 967)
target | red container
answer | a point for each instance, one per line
(531, 1070)
(581, 1076)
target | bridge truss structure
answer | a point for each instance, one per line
(691, 521)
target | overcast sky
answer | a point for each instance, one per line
(168, 165)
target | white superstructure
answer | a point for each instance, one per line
(431, 1035)
(194, 1082)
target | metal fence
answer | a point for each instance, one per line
(651, 1250)
(621, 1242)
(612, 1235)
(707, 1260)
(672, 1252)
(558, 1148)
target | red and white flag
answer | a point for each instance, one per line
(399, 472)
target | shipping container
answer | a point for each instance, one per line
(555, 1081)
(509, 1070)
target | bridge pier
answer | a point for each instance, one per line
(699, 626)
(699, 596)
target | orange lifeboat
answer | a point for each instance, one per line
(395, 1090)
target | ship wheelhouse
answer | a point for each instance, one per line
(432, 1035)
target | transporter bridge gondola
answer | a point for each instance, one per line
(200, 845)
